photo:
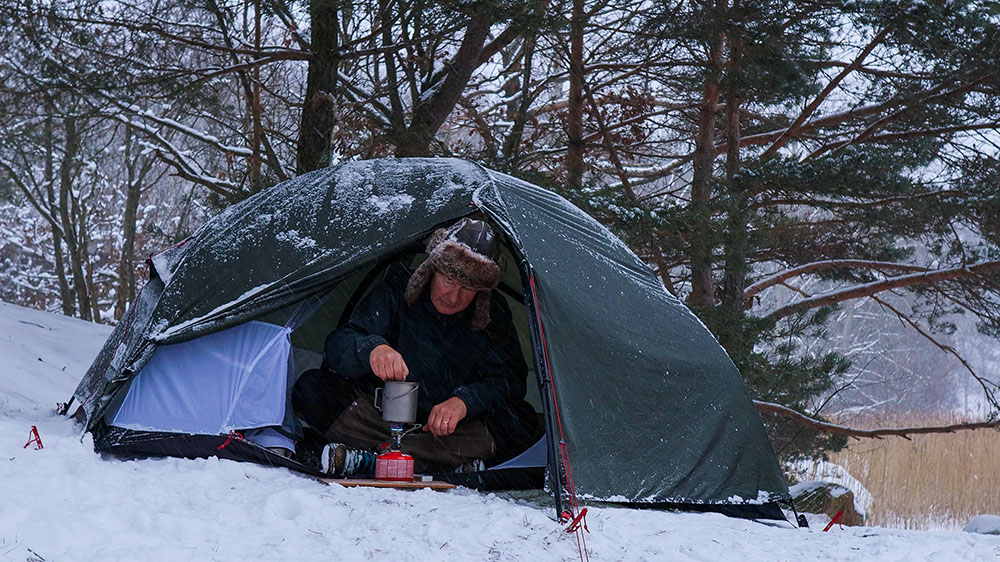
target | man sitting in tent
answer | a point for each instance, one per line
(444, 328)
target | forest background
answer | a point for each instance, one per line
(818, 180)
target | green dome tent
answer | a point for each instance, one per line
(641, 404)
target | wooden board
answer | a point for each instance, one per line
(372, 483)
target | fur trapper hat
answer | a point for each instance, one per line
(466, 251)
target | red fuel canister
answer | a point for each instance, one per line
(394, 465)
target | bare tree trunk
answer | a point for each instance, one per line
(731, 330)
(512, 143)
(88, 268)
(66, 204)
(734, 281)
(317, 122)
(574, 113)
(126, 265)
(65, 292)
(702, 285)
(429, 115)
(255, 107)
(396, 116)
(661, 267)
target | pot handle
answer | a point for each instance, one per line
(378, 398)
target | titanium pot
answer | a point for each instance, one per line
(398, 401)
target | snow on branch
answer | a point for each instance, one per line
(869, 289)
(34, 201)
(177, 126)
(363, 99)
(904, 432)
(160, 27)
(185, 167)
(180, 127)
(834, 119)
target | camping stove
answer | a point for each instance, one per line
(394, 464)
(399, 406)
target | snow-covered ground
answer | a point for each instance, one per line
(65, 502)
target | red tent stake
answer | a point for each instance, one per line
(834, 520)
(34, 438)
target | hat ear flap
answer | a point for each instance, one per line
(481, 315)
(418, 281)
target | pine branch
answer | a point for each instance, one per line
(936, 94)
(939, 131)
(904, 432)
(869, 289)
(505, 37)
(836, 119)
(878, 72)
(813, 267)
(821, 97)
(831, 120)
(867, 204)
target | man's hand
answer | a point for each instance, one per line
(445, 416)
(388, 364)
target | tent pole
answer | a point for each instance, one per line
(542, 371)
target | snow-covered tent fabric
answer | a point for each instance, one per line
(641, 403)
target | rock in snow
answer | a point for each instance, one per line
(828, 498)
(984, 525)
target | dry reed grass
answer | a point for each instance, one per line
(936, 481)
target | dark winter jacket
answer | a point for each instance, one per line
(484, 368)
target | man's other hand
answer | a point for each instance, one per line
(388, 364)
(445, 416)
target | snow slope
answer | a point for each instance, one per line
(43, 356)
(66, 503)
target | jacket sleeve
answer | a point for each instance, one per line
(348, 348)
(501, 372)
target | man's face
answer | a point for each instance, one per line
(448, 296)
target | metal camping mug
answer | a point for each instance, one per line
(398, 401)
